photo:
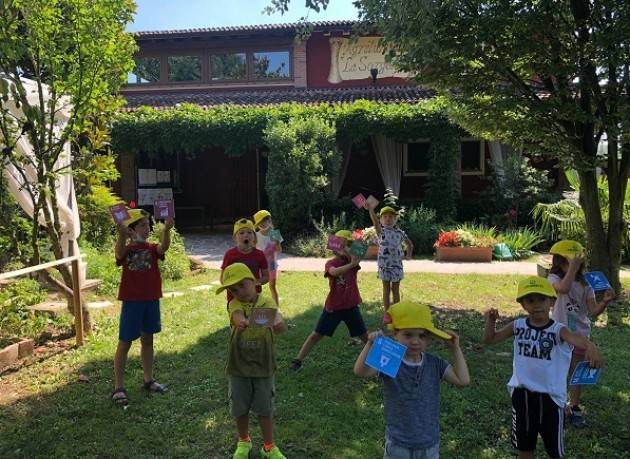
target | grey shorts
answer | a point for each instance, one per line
(251, 394)
(394, 451)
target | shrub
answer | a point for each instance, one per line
(314, 244)
(97, 225)
(421, 227)
(176, 263)
(521, 241)
(15, 231)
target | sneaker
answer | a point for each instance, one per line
(296, 365)
(576, 418)
(273, 453)
(242, 450)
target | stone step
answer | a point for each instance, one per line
(50, 307)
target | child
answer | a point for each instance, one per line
(251, 361)
(140, 292)
(576, 300)
(542, 354)
(246, 252)
(342, 302)
(412, 398)
(262, 222)
(390, 252)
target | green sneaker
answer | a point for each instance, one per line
(273, 453)
(242, 450)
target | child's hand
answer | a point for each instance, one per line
(453, 343)
(241, 323)
(492, 315)
(123, 230)
(372, 336)
(169, 223)
(609, 295)
(354, 260)
(278, 323)
(576, 261)
(593, 356)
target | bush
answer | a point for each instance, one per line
(97, 225)
(314, 244)
(15, 231)
(176, 263)
(421, 227)
(521, 241)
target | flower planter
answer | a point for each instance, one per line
(465, 254)
(372, 252)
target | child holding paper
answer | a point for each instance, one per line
(576, 300)
(390, 252)
(542, 355)
(251, 360)
(245, 252)
(270, 247)
(342, 302)
(412, 398)
(140, 292)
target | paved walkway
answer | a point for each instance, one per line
(210, 248)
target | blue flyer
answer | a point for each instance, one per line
(386, 355)
(597, 281)
(584, 374)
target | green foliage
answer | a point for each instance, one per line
(101, 264)
(176, 263)
(302, 161)
(97, 225)
(16, 321)
(314, 244)
(15, 231)
(420, 224)
(521, 241)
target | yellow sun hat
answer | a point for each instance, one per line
(260, 216)
(413, 315)
(346, 234)
(387, 210)
(243, 223)
(568, 249)
(135, 215)
(233, 274)
(535, 284)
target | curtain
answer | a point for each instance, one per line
(337, 181)
(497, 157)
(389, 158)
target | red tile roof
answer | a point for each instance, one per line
(208, 98)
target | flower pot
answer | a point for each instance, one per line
(372, 252)
(464, 254)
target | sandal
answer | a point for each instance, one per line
(119, 397)
(154, 387)
(576, 418)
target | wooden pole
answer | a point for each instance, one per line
(76, 297)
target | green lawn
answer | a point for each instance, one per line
(322, 412)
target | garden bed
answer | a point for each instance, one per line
(465, 254)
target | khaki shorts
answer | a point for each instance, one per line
(251, 394)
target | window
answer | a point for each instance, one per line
(417, 158)
(271, 65)
(472, 157)
(184, 68)
(228, 67)
(147, 71)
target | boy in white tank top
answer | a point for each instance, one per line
(542, 354)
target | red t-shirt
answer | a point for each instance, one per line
(344, 290)
(141, 280)
(255, 261)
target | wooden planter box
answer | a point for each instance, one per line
(465, 254)
(372, 252)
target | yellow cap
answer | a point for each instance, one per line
(233, 274)
(260, 216)
(568, 249)
(135, 215)
(535, 284)
(387, 210)
(243, 223)
(413, 315)
(346, 234)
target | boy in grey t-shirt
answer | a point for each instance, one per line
(412, 398)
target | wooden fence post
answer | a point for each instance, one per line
(78, 308)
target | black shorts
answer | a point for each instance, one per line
(536, 413)
(328, 321)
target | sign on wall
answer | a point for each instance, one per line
(353, 59)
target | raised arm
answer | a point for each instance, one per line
(165, 243)
(490, 334)
(456, 374)
(360, 368)
(595, 307)
(338, 271)
(564, 285)
(375, 221)
(121, 240)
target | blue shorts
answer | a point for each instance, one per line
(138, 317)
(328, 322)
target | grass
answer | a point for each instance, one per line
(322, 412)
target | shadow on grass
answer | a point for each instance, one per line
(322, 412)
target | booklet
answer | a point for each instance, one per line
(584, 374)
(119, 213)
(358, 249)
(597, 281)
(336, 243)
(262, 317)
(372, 202)
(163, 209)
(386, 355)
(359, 200)
(275, 235)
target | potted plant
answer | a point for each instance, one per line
(462, 245)
(369, 236)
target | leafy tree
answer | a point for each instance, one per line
(75, 51)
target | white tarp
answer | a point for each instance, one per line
(19, 185)
(389, 158)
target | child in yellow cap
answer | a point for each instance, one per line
(390, 252)
(542, 355)
(576, 301)
(251, 360)
(140, 292)
(271, 248)
(412, 399)
(245, 251)
(342, 302)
